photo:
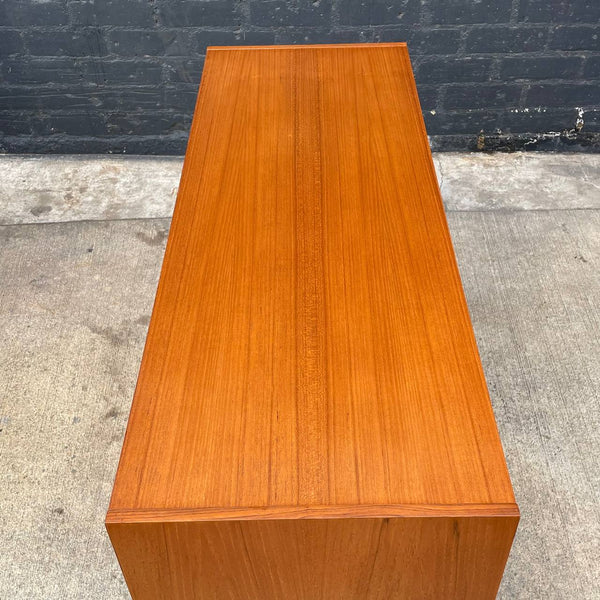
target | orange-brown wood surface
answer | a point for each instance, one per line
(310, 353)
(327, 559)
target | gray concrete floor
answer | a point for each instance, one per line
(81, 243)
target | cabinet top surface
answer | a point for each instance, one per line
(310, 344)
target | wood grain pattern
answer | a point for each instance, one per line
(341, 559)
(165, 515)
(310, 353)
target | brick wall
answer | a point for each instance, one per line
(122, 75)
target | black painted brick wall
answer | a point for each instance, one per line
(122, 75)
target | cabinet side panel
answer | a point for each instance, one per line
(419, 558)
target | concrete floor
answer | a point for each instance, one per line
(81, 244)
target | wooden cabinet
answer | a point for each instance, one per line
(311, 419)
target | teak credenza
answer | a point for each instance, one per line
(311, 419)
